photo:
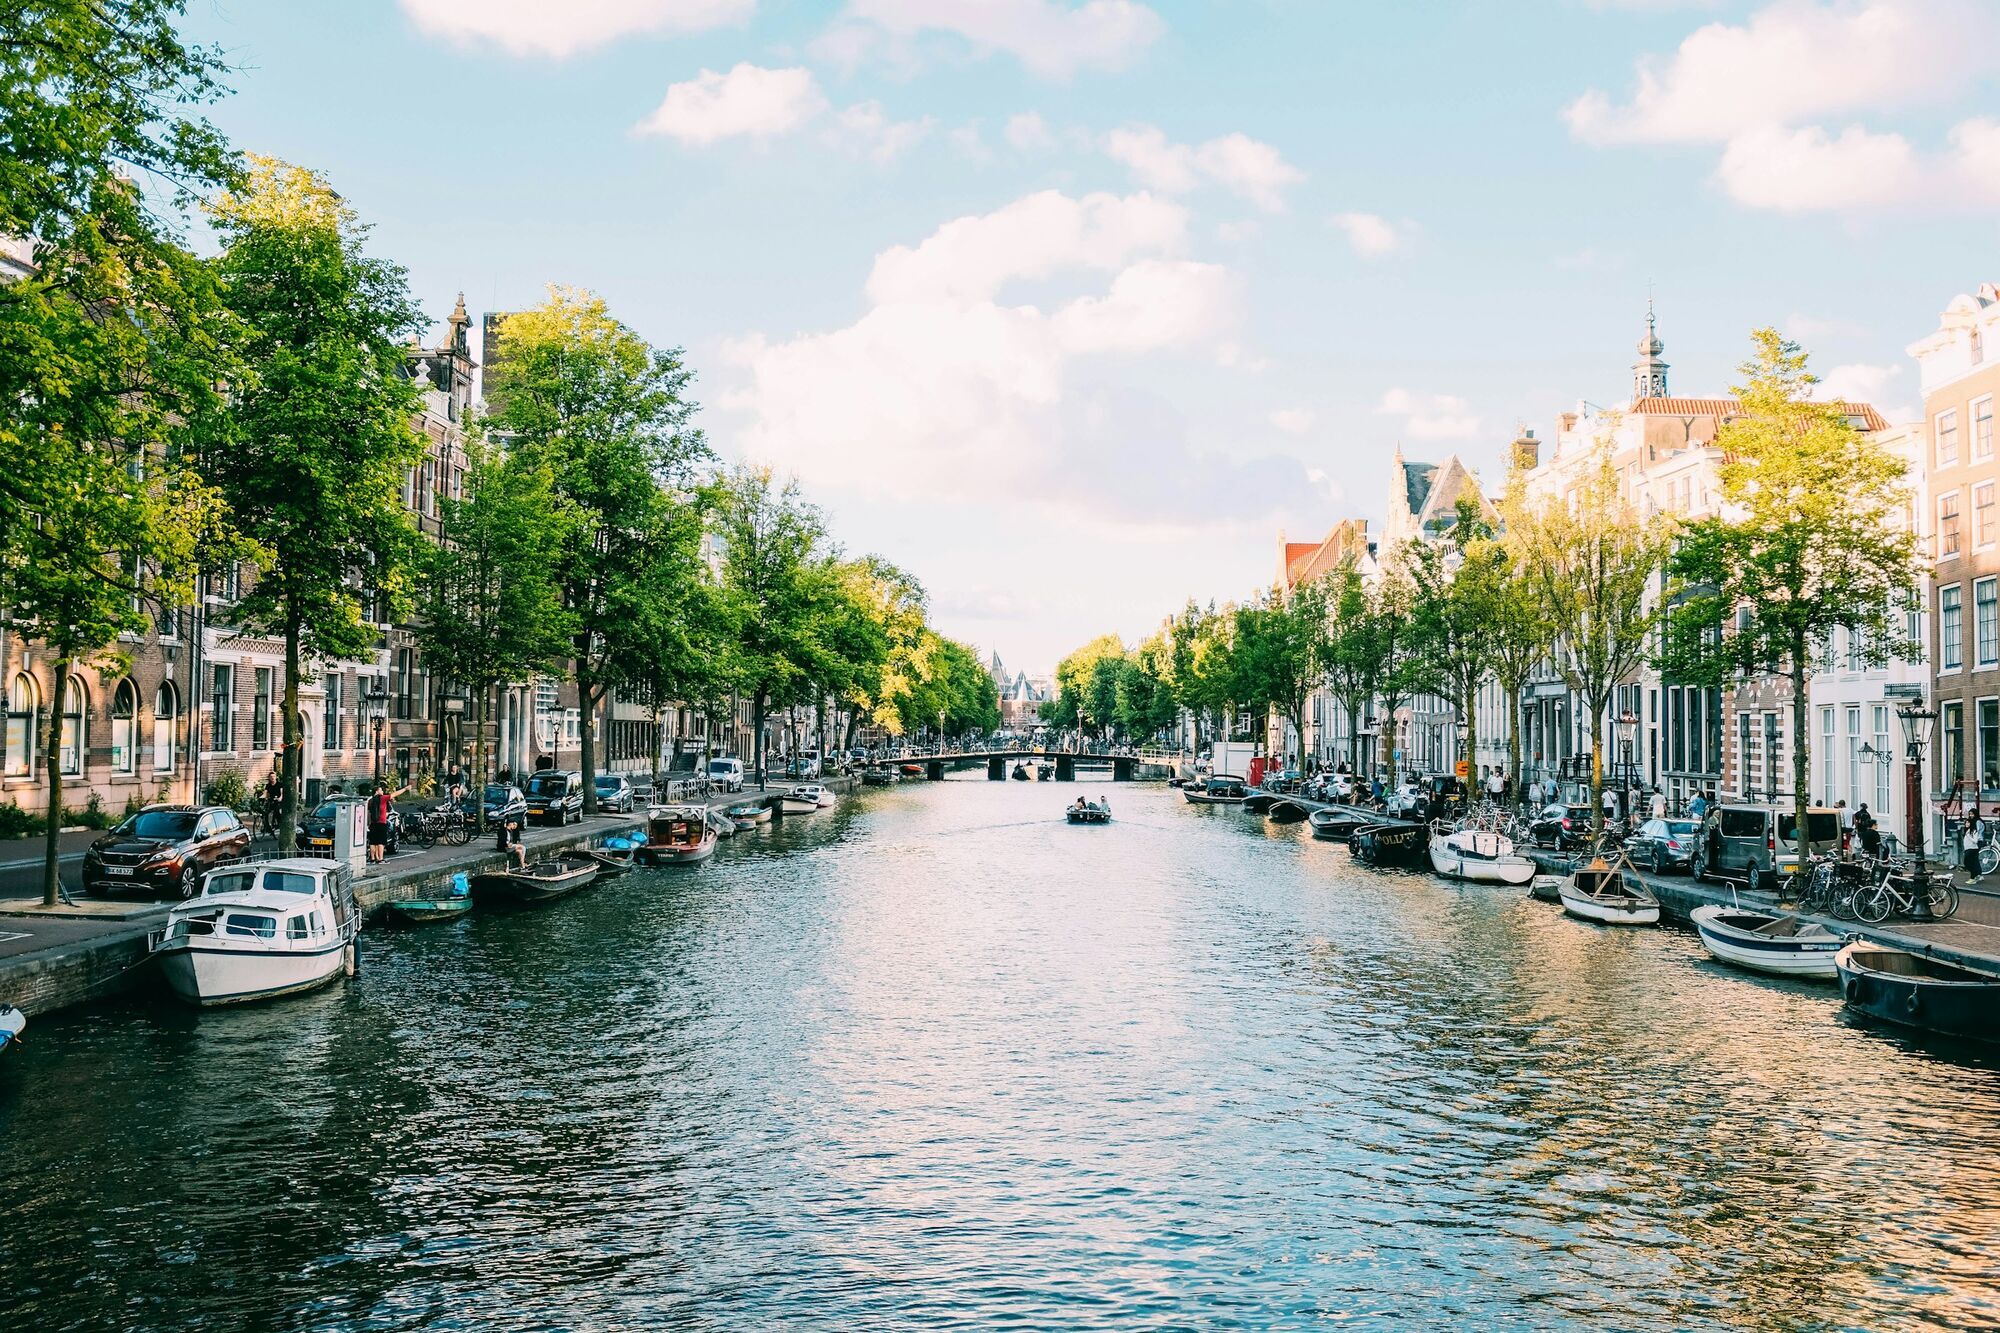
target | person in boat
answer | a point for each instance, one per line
(1080, 806)
(510, 841)
(378, 819)
(1865, 831)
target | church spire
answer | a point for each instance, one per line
(454, 336)
(1649, 373)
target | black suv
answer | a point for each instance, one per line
(164, 850)
(555, 796)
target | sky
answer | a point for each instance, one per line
(1072, 307)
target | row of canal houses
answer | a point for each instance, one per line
(1737, 742)
(201, 695)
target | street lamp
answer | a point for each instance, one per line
(1628, 735)
(377, 699)
(1917, 724)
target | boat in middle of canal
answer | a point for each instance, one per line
(1774, 942)
(1477, 854)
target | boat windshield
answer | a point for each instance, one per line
(245, 923)
(238, 881)
(290, 881)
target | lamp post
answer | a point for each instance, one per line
(378, 708)
(1917, 723)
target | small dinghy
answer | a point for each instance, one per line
(1335, 825)
(800, 801)
(748, 812)
(1925, 994)
(12, 1023)
(1480, 855)
(538, 881)
(1217, 791)
(1610, 895)
(1286, 812)
(913, 770)
(1546, 888)
(611, 861)
(416, 911)
(677, 835)
(878, 777)
(1089, 812)
(1773, 942)
(1045, 772)
(1021, 773)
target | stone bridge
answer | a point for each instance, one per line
(1124, 767)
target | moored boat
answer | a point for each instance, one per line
(1480, 855)
(12, 1023)
(1774, 942)
(878, 777)
(1020, 773)
(1392, 842)
(1286, 812)
(747, 812)
(1045, 772)
(798, 802)
(913, 770)
(261, 930)
(611, 861)
(538, 881)
(1925, 994)
(443, 907)
(1610, 895)
(677, 835)
(1546, 888)
(1217, 791)
(1334, 825)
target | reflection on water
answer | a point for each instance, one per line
(938, 1058)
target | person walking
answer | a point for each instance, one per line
(1659, 803)
(1972, 841)
(1865, 831)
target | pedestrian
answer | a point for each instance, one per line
(1971, 841)
(1865, 831)
(1698, 807)
(378, 820)
(1659, 803)
(1610, 800)
(1496, 787)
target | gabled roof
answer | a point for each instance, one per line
(1453, 480)
(1728, 407)
(1417, 484)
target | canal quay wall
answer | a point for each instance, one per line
(52, 959)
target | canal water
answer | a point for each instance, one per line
(937, 1059)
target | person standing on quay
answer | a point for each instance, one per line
(378, 820)
(1970, 842)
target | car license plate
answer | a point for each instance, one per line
(118, 870)
(320, 842)
(536, 810)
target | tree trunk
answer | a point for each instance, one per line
(1597, 707)
(1299, 732)
(478, 784)
(1512, 695)
(659, 741)
(586, 693)
(52, 759)
(295, 746)
(1470, 693)
(1801, 757)
(757, 742)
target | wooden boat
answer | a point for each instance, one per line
(1925, 994)
(1217, 791)
(1287, 812)
(538, 881)
(1546, 888)
(724, 826)
(1479, 855)
(1089, 812)
(677, 835)
(1778, 943)
(415, 911)
(611, 861)
(747, 812)
(1611, 895)
(822, 796)
(1334, 825)
(1391, 842)
(12, 1023)
(261, 930)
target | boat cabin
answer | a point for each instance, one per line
(301, 904)
(676, 826)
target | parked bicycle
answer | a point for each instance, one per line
(1897, 894)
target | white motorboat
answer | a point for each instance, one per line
(806, 799)
(1774, 942)
(12, 1023)
(1479, 854)
(260, 930)
(1609, 895)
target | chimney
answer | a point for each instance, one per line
(1526, 451)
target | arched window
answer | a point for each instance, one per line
(166, 713)
(72, 741)
(21, 707)
(124, 728)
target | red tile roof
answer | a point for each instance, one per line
(1728, 407)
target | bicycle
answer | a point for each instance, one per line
(1896, 895)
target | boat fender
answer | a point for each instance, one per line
(1915, 1002)
(460, 885)
(1852, 985)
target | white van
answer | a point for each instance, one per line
(726, 774)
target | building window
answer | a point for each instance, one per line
(1772, 754)
(1951, 646)
(1951, 722)
(1853, 791)
(1947, 438)
(1989, 744)
(1978, 348)
(71, 739)
(1881, 748)
(222, 709)
(1948, 525)
(1982, 514)
(166, 717)
(22, 701)
(403, 683)
(330, 731)
(260, 712)
(124, 722)
(1913, 629)
(1986, 621)
(1982, 429)
(1826, 768)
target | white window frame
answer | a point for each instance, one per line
(1945, 426)
(1957, 526)
(1982, 639)
(1982, 517)
(1951, 658)
(1981, 447)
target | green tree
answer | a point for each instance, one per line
(1521, 636)
(1395, 649)
(1086, 696)
(1281, 653)
(894, 601)
(1458, 584)
(1354, 650)
(1593, 560)
(609, 416)
(1810, 540)
(489, 607)
(312, 471)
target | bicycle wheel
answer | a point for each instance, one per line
(422, 835)
(458, 832)
(1943, 898)
(1840, 903)
(1872, 905)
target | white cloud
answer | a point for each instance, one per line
(1027, 132)
(539, 28)
(1292, 420)
(1860, 383)
(1807, 169)
(1249, 167)
(971, 259)
(748, 101)
(866, 130)
(1796, 60)
(942, 392)
(1430, 416)
(1370, 234)
(1051, 37)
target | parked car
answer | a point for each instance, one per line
(1664, 844)
(316, 829)
(502, 799)
(802, 766)
(1758, 844)
(614, 793)
(1563, 827)
(555, 796)
(726, 774)
(164, 850)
